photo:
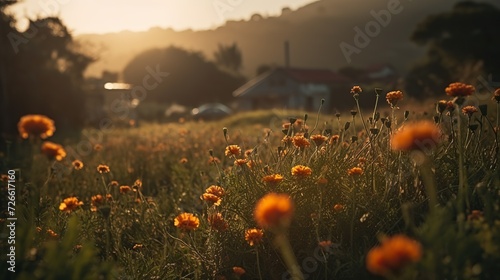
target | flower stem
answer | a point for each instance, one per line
(285, 248)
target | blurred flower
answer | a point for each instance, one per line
(355, 171)
(287, 140)
(475, 215)
(274, 210)
(215, 190)
(102, 168)
(301, 171)
(325, 245)
(69, 204)
(217, 222)
(211, 198)
(300, 141)
(420, 135)
(496, 95)
(322, 181)
(459, 90)
(392, 255)
(77, 164)
(186, 221)
(469, 110)
(272, 179)
(125, 189)
(254, 236)
(248, 152)
(338, 207)
(334, 139)
(356, 90)
(52, 234)
(183, 160)
(213, 160)
(232, 150)
(36, 126)
(96, 201)
(137, 184)
(238, 270)
(240, 162)
(318, 139)
(53, 150)
(394, 97)
(137, 246)
(97, 147)
(114, 184)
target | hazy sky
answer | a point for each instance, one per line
(102, 16)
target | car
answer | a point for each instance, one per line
(211, 111)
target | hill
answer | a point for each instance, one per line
(315, 32)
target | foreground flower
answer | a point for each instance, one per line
(273, 179)
(186, 221)
(356, 90)
(274, 210)
(355, 171)
(53, 151)
(215, 190)
(301, 171)
(77, 164)
(232, 150)
(211, 198)
(393, 97)
(254, 236)
(392, 255)
(102, 168)
(36, 125)
(459, 90)
(420, 136)
(70, 204)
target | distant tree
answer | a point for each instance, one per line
(192, 79)
(354, 73)
(41, 72)
(457, 42)
(229, 56)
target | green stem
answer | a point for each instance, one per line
(258, 263)
(285, 248)
(462, 184)
(429, 182)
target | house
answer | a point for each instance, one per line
(291, 88)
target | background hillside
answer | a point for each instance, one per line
(314, 31)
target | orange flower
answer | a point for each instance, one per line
(248, 153)
(325, 245)
(318, 139)
(53, 151)
(300, 141)
(254, 236)
(322, 181)
(274, 210)
(36, 125)
(459, 90)
(232, 150)
(69, 204)
(356, 90)
(272, 179)
(52, 233)
(416, 136)
(355, 171)
(469, 110)
(392, 255)
(96, 201)
(137, 246)
(183, 160)
(338, 207)
(114, 184)
(102, 168)
(97, 147)
(77, 164)
(137, 184)
(215, 190)
(240, 162)
(125, 189)
(186, 221)
(393, 97)
(238, 270)
(213, 160)
(211, 198)
(334, 139)
(217, 222)
(301, 171)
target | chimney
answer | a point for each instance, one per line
(287, 54)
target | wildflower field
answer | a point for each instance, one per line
(378, 193)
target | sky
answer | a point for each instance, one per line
(104, 16)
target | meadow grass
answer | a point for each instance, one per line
(359, 207)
